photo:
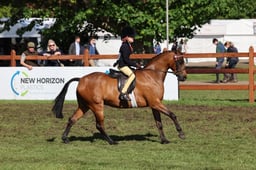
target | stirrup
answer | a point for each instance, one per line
(124, 97)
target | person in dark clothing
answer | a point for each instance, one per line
(174, 46)
(92, 50)
(124, 62)
(231, 62)
(75, 49)
(52, 49)
(30, 51)
(219, 61)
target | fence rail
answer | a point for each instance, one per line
(250, 86)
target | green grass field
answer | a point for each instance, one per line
(218, 136)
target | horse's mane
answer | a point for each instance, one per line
(155, 58)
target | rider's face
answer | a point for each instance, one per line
(130, 39)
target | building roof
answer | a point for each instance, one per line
(228, 27)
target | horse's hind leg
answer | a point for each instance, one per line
(167, 112)
(72, 120)
(100, 126)
(159, 126)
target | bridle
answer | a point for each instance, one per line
(177, 59)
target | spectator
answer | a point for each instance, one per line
(226, 75)
(174, 46)
(52, 49)
(231, 62)
(180, 46)
(30, 51)
(92, 50)
(157, 48)
(185, 49)
(75, 49)
(219, 60)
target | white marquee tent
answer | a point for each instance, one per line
(47, 23)
(241, 32)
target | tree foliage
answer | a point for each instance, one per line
(148, 17)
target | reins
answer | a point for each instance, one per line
(158, 70)
(176, 58)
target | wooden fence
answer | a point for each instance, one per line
(250, 86)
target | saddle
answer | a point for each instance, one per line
(121, 79)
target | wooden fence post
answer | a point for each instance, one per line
(251, 75)
(13, 60)
(86, 57)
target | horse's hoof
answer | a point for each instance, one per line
(165, 141)
(113, 143)
(182, 136)
(65, 140)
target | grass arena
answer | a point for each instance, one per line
(220, 133)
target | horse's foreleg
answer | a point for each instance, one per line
(72, 120)
(100, 126)
(159, 126)
(177, 125)
(170, 114)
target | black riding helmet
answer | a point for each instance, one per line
(127, 31)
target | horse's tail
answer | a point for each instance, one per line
(59, 100)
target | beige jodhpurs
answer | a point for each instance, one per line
(127, 71)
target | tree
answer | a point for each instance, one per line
(5, 11)
(86, 17)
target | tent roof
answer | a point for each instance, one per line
(228, 27)
(34, 33)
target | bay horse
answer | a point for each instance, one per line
(98, 89)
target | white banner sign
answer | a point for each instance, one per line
(45, 83)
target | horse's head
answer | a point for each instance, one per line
(163, 61)
(179, 67)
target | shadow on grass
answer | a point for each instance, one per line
(116, 138)
(232, 100)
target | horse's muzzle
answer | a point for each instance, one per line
(182, 78)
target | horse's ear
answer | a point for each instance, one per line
(178, 52)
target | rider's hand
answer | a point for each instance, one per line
(138, 66)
